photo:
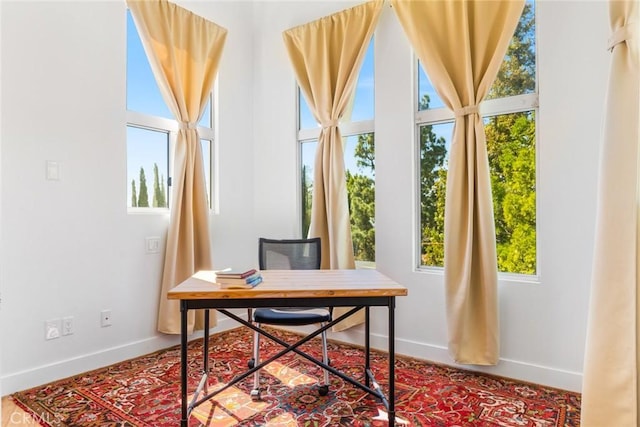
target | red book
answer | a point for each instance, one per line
(231, 274)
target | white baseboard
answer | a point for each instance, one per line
(517, 370)
(514, 369)
(28, 378)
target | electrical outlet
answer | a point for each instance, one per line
(52, 329)
(67, 325)
(105, 318)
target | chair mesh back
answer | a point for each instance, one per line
(300, 254)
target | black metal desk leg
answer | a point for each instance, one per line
(367, 345)
(205, 363)
(392, 362)
(183, 362)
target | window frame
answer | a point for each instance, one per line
(170, 126)
(306, 135)
(347, 129)
(487, 108)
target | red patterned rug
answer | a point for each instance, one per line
(146, 392)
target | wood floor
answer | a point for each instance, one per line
(12, 415)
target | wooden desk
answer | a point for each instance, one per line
(360, 289)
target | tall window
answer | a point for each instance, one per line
(509, 113)
(358, 141)
(151, 133)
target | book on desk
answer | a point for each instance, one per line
(242, 279)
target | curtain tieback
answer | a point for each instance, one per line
(621, 35)
(329, 124)
(465, 111)
(187, 125)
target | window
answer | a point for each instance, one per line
(357, 130)
(509, 113)
(152, 132)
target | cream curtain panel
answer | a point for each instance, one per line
(462, 44)
(326, 55)
(610, 384)
(184, 52)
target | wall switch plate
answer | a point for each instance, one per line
(53, 171)
(152, 245)
(52, 329)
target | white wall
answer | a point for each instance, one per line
(70, 248)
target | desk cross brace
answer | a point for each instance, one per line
(376, 391)
(185, 305)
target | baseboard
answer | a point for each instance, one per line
(514, 369)
(28, 378)
(518, 370)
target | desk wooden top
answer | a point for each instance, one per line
(293, 284)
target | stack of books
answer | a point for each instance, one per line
(245, 279)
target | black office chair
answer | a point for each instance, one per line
(298, 254)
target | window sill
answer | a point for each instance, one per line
(147, 211)
(503, 278)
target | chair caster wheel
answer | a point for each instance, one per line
(251, 363)
(255, 394)
(323, 390)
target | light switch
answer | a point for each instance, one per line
(53, 171)
(153, 245)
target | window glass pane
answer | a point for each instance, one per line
(206, 161)
(143, 94)
(511, 141)
(306, 118)
(147, 167)
(359, 158)
(362, 104)
(205, 120)
(517, 74)
(360, 176)
(512, 163)
(308, 153)
(427, 96)
(435, 141)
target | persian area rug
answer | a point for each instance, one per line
(146, 392)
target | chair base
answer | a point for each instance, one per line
(323, 390)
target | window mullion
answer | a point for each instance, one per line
(492, 107)
(512, 104)
(151, 122)
(346, 129)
